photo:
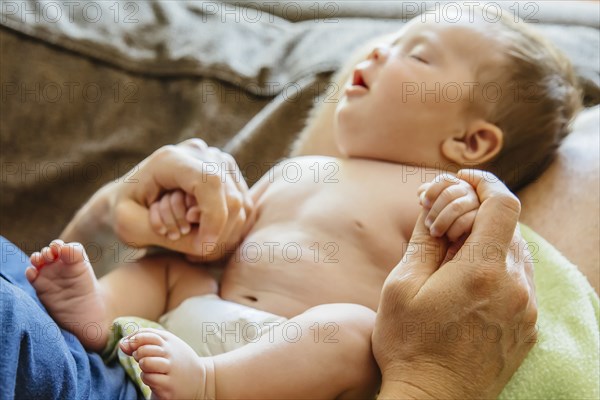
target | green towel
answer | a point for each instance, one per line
(121, 327)
(562, 365)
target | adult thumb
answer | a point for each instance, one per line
(423, 255)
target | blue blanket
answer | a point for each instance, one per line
(38, 360)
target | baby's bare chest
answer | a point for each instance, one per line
(327, 230)
(356, 202)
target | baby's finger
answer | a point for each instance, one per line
(444, 198)
(155, 220)
(449, 214)
(193, 215)
(436, 186)
(166, 214)
(421, 191)
(190, 201)
(462, 225)
(177, 201)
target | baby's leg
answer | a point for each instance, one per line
(322, 353)
(65, 283)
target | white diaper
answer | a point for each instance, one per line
(212, 326)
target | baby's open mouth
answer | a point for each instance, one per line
(358, 86)
(357, 79)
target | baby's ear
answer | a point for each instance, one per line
(480, 143)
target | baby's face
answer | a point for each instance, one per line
(411, 95)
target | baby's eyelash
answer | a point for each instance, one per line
(418, 58)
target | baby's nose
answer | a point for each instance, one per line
(379, 53)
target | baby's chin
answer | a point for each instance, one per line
(341, 145)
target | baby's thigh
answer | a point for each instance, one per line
(185, 280)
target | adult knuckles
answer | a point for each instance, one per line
(212, 180)
(235, 202)
(165, 151)
(519, 299)
(228, 158)
(194, 143)
(531, 314)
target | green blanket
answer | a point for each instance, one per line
(564, 362)
(562, 365)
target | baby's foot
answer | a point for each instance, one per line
(65, 283)
(169, 366)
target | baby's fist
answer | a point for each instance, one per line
(451, 206)
(173, 214)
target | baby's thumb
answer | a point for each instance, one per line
(193, 215)
(423, 256)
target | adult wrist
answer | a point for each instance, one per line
(395, 390)
(422, 383)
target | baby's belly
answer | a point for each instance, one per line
(285, 269)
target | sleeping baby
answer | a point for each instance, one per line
(293, 312)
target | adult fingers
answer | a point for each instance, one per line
(424, 255)
(498, 214)
(173, 167)
(240, 183)
(213, 207)
(233, 232)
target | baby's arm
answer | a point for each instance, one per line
(452, 204)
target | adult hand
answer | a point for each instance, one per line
(457, 323)
(206, 173)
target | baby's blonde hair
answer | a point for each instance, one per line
(540, 96)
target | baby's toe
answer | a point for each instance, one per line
(158, 365)
(48, 255)
(149, 350)
(31, 273)
(159, 383)
(72, 253)
(133, 342)
(56, 246)
(36, 259)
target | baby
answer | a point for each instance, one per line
(294, 309)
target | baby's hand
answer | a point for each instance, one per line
(452, 205)
(173, 214)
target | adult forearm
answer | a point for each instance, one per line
(93, 221)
